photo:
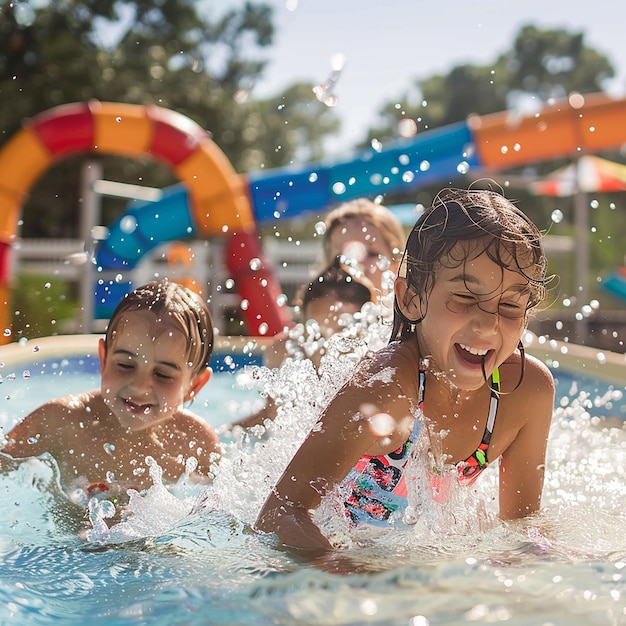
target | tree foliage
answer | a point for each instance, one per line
(184, 55)
(541, 64)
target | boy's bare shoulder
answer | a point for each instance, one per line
(189, 424)
(47, 427)
(70, 403)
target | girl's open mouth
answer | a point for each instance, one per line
(471, 355)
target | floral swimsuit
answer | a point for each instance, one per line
(376, 486)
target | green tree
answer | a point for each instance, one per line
(541, 64)
(180, 54)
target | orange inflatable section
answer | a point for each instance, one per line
(582, 124)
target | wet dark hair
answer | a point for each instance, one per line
(463, 224)
(336, 279)
(174, 303)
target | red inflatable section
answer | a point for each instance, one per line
(256, 284)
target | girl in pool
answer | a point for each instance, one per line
(454, 368)
(154, 357)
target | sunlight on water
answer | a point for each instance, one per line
(187, 553)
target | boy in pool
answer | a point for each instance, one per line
(454, 369)
(154, 358)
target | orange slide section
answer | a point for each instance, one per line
(581, 124)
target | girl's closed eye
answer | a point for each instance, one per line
(461, 301)
(512, 309)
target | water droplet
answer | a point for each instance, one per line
(244, 305)
(109, 448)
(7, 332)
(383, 263)
(26, 374)
(23, 14)
(557, 216)
(263, 328)
(407, 127)
(320, 228)
(339, 188)
(128, 224)
(255, 264)
(382, 424)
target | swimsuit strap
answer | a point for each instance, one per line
(469, 469)
(472, 466)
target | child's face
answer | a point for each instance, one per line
(365, 245)
(476, 311)
(145, 374)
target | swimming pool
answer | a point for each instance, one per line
(567, 566)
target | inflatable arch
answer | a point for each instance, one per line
(217, 203)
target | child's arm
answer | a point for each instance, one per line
(332, 448)
(38, 432)
(522, 464)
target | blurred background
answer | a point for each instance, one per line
(287, 83)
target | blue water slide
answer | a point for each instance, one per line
(284, 193)
(144, 226)
(431, 157)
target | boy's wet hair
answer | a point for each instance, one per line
(337, 279)
(375, 214)
(176, 304)
(462, 224)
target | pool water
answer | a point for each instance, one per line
(191, 558)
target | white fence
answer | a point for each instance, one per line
(293, 264)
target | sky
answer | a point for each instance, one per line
(388, 44)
